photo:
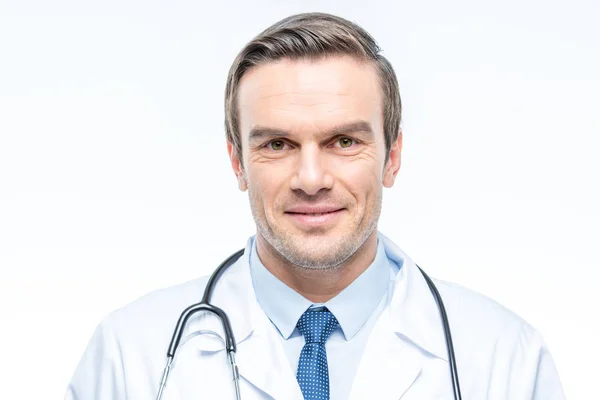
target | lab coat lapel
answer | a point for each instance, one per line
(388, 366)
(260, 358)
(406, 334)
(415, 315)
(263, 362)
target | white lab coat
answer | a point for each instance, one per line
(499, 355)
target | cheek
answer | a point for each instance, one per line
(361, 179)
(362, 183)
(266, 183)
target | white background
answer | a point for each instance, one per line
(114, 179)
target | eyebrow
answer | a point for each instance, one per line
(259, 132)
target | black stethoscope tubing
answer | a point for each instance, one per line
(230, 344)
(447, 335)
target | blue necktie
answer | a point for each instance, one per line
(313, 375)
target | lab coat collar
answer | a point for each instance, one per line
(413, 310)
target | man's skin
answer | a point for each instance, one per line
(314, 163)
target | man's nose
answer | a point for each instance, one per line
(311, 173)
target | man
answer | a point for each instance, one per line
(322, 305)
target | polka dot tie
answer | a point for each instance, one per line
(313, 375)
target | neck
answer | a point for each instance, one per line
(317, 285)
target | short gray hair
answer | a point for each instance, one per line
(313, 36)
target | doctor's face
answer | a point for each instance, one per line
(313, 157)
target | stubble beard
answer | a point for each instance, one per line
(333, 253)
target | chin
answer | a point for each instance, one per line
(317, 250)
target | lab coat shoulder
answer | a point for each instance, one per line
(130, 345)
(511, 356)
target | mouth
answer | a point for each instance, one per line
(309, 217)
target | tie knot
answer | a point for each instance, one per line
(317, 325)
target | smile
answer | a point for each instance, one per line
(315, 219)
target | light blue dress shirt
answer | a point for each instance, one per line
(356, 308)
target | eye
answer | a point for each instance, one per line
(346, 142)
(276, 145)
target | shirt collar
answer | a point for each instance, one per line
(352, 307)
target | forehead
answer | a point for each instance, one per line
(303, 96)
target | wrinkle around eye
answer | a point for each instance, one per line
(264, 152)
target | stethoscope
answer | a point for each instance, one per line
(230, 344)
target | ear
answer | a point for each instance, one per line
(393, 164)
(238, 169)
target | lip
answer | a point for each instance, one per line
(314, 216)
(313, 209)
